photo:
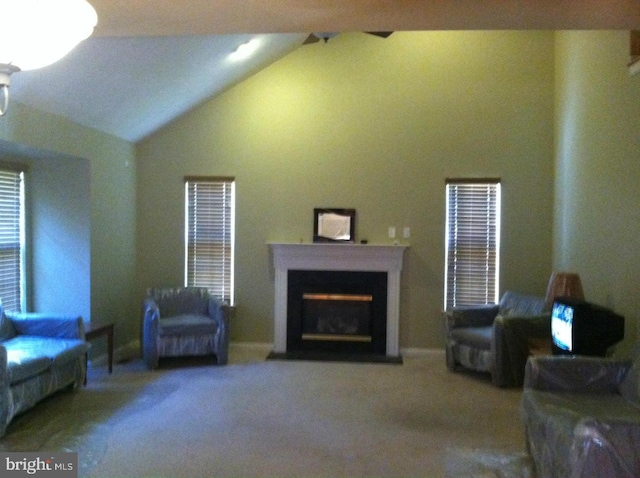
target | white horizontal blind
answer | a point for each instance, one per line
(210, 211)
(11, 239)
(472, 242)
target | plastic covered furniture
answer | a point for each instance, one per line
(582, 416)
(40, 354)
(184, 321)
(496, 338)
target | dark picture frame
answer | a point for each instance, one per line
(336, 225)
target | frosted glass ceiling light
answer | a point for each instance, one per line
(36, 33)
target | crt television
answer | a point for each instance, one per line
(582, 328)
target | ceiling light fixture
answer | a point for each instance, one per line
(245, 50)
(36, 33)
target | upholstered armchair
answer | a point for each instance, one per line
(496, 338)
(182, 322)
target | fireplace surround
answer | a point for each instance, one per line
(383, 260)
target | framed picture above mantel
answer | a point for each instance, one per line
(334, 225)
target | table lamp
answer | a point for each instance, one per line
(563, 284)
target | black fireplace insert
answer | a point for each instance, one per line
(337, 311)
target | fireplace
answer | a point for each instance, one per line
(336, 317)
(347, 274)
(338, 311)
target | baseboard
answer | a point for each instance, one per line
(123, 353)
(407, 352)
(265, 347)
(416, 352)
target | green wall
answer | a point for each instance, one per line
(91, 177)
(597, 213)
(372, 124)
(376, 125)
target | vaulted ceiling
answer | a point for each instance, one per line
(150, 61)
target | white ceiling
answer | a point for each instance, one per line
(149, 61)
(131, 86)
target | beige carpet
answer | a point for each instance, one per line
(255, 418)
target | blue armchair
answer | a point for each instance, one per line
(496, 338)
(183, 321)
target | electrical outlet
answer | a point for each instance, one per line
(406, 232)
(392, 232)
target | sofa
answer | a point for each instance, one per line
(183, 321)
(582, 416)
(39, 355)
(496, 338)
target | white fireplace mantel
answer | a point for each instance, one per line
(338, 257)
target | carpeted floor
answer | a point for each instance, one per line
(258, 418)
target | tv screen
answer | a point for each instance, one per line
(582, 328)
(561, 326)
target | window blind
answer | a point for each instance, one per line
(472, 242)
(210, 211)
(11, 239)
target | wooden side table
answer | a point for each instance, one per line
(95, 331)
(540, 346)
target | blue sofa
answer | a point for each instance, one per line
(39, 355)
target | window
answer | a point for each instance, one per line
(12, 239)
(209, 230)
(472, 242)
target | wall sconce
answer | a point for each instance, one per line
(36, 33)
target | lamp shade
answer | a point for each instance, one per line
(564, 284)
(36, 33)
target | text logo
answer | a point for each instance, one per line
(40, 464)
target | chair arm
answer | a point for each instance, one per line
(149, 307)
(47, 325)
(510, 346)
(570, 373)
(476, 316)
(219, 311)
(5, 400)
(150, 324)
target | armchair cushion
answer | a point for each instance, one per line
(180, 300)
(514, 304)
(478, 316)
(188, 324)
(476, 337)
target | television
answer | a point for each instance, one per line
(583, 328)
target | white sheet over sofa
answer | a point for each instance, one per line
(39, 355)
